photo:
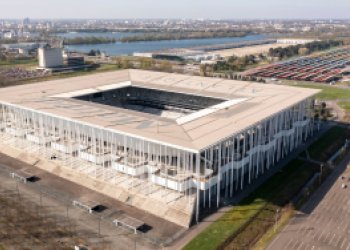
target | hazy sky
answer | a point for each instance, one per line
(175, 9)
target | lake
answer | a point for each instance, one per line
(119, 48)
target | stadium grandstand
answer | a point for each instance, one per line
(168, 144)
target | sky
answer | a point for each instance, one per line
(221, 9)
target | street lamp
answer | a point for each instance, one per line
(276, 218)
(321, 172)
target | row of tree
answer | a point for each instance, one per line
(156, 36)
(233, 63)
(144, 63)
(303, 49)
(238, 64)
(230, 75)
(88, 40)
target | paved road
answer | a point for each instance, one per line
(324, 221)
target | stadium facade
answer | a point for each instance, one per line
(166, 143)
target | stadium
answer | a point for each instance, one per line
(167, 144)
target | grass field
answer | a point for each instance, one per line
(56, 76)
(19, 62)
(254, 216)
(286, 214)
(326, 146)
(328, 92)
(256, 210)
(32, 64)
(296, 174)
(345, 105)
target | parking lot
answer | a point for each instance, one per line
(324, 67)
(323, 222)
(56, 195)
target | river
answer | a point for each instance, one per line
(119, 48)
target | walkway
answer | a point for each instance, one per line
(323, 222)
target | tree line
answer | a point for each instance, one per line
(126, 62)
(233, 63)
(239, 64)
(153, 37)
(303, 49)
(181, 35)
(88, 40)
(144, 63)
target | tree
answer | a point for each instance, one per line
(165, 66)
(118, 62)
(126, 64)
(203, 70)
(2, 80)
(145, 63)
(94, 52)
(303, 51)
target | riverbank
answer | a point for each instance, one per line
(88, 40)
(119, 48)
(148, 37)
(164, 36)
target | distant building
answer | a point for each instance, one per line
(141, 54)
(50, 57)
(24, 34)
(9, 35)
(185, 54)
(202, 56)
(75, 60)
(295, 41)
(209, 62)
(31, 47)
(26, 21)
(23, 51)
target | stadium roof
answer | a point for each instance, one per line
(247, 103)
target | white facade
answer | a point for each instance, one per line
(50, 57)
(9, 35)
(222, 168)
(200, 57)
(143, 54)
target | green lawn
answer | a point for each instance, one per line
(255, 215)
(271, 194)
(327, 145)
(328, 92)
(56, 76)
(297, 175)
(19, 62)
(345, 105)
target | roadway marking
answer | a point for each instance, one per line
(342, 244)
(326, 226)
